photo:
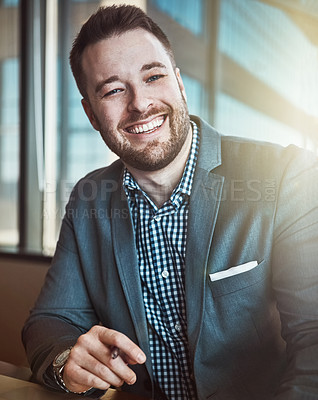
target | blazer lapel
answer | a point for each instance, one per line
(204, 205)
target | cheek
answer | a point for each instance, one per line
(108, 117)
(115, 113)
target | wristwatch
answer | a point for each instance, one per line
(58, 366)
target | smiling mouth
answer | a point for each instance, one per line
(147, 128)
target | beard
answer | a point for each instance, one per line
(156, 154)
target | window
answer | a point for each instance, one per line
(9, 123)
(196, 96)
(187, 13)
(10, 3)
(268, 80)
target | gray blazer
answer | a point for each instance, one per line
(252, 335)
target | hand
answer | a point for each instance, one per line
(91, 363)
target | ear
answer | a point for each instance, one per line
(180, 83)
(90, 114)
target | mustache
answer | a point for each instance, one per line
(135, 117)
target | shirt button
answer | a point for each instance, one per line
(177, 327)
(165, 273)
(157, 217)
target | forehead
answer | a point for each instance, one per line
(123, 52)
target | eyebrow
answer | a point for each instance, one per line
(155, 64)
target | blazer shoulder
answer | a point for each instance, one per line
(98, 183)
(251, 159)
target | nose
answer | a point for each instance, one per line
(139, 100)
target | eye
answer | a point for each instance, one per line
(154, 78)
(112, 92)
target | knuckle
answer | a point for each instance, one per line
(131, 379)
(82, 340)
(102, 370)
(95, 330)
(119, 383)
(115, 338)
(111, 334)
(94, 381)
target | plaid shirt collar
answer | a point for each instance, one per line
(183, 189)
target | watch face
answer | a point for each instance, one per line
(61, 358)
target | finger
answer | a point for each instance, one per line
(77, 379)
(113, 338)
(101, 363)
(114, 371)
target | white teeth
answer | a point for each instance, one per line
(147, 127)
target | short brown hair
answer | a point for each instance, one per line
(107, 22)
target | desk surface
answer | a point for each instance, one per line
(16, 389)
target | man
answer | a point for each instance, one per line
(187, 269)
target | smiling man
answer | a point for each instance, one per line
(191, 271)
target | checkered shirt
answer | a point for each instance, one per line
(160, 235)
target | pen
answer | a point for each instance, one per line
(114, 352)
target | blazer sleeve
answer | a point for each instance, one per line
(59, 316)
(295, 275)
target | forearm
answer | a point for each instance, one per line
(44, 337)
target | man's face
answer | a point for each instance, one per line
(136, 99)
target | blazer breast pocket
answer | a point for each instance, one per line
(240, 281)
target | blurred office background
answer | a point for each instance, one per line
(250, 68)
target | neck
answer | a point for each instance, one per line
(160, 184)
